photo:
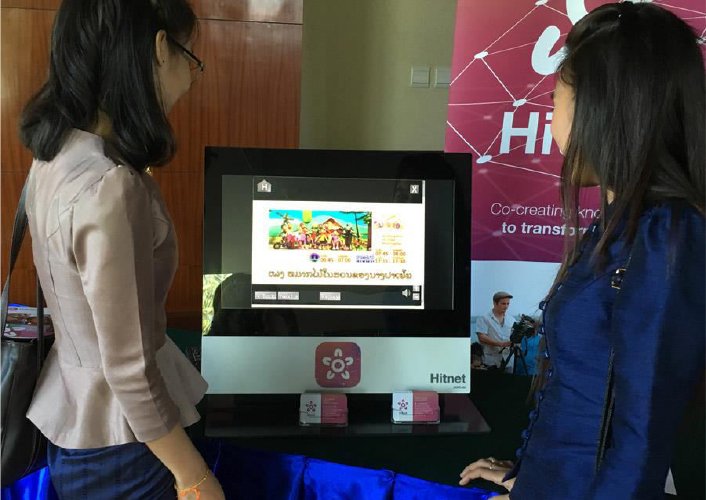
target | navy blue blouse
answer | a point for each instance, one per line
(655, 324)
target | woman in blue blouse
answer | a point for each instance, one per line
(629, 117)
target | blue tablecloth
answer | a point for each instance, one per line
(254, 475)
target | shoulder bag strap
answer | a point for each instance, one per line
(18, 232)
(616, 282)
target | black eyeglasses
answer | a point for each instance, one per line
(195, 64)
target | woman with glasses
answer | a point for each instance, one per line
(196, 66)
(115, 393)
(624, 322)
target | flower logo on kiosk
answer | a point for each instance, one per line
(337, 364)
(311, 408)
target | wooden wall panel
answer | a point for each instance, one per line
(248, 96)
(31, 4)
(24, 39)
(268, 11)
(23, 290)
(264, 11)
(25, 42)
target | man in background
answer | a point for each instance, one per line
(494, 329)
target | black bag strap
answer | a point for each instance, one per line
(608, 405)
(616, 282)
(18, 232)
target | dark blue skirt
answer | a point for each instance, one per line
(124, 472)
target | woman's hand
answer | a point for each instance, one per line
(489, 469)
(210, 489)
(176, 451)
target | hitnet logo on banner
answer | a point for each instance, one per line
(503, 72)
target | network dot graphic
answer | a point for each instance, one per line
(494, 84)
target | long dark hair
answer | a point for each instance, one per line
(102, 59)
(637, 73)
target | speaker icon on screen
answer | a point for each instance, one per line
(406, 292)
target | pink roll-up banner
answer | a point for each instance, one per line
(503, 71)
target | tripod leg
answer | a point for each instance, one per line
(513, 354)
(524, 364)
(517, 352)
(506, 361)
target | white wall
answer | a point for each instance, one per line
(356, 65)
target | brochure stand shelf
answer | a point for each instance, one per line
(278, 415)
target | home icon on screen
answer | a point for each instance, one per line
(264, 187)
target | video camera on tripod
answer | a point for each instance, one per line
(521, 329)
(524, 328)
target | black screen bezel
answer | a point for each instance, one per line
(425, 165)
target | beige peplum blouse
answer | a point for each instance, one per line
(105, 252)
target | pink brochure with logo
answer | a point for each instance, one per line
(415, 407)
(323, 409)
